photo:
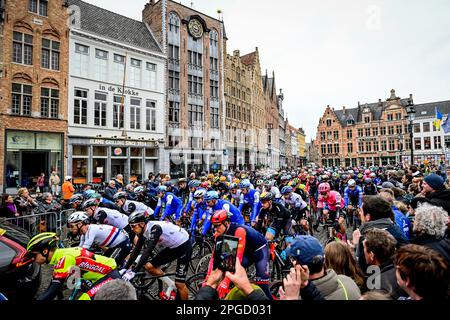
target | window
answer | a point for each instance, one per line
(21, 99)
(118, 68)
(22, 48)
(38, 6)
(391, 145)
(49, 103)
(101, 65)
(367, 132)
(322, 136)
(174, 141)
(350, 147)
(195, 114)
(437, 142)
(100, 109)
(383, 145)
(195, 58)
(399, 128)
(135, 113)
(174, 80)
(360, 132)
(174, 111)
(426, 127)
(213, 64)
(150, 76)
(417, 144)
(376, 146)
(369, 146)
(118, 111)
(150, 115)
(174, 53)
(328, 122)
(391, 130)
(135, 73)
(214, 117)
(80, 107)
(174, 23)
(214, 89)
(195, 85)
(383, 131)
(360, 146)
(336, 135)
(390, 117)
(330, 148)
(81, 60)
(398, 116)
(50, 54)
(416, 127)
(349, 134)
(329, 135)
(336, 148)
(366, 119)
(427, 143)
(213, 39)
(375, 132)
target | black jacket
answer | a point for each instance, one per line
(439, 198)
(441, 246)
(109, 193)
(388, 281)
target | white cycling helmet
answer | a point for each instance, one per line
(199, 193)
(351, 183)
(78, 216)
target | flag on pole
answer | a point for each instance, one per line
(446, 124)
(437, 122)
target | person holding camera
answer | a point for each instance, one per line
(252, 248)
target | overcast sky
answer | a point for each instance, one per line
(336, 53)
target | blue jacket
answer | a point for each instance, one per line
(402, 221)
(173, 205)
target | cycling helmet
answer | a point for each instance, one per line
(284, 177)
(324, 187)
(76, 198)
(211, 195)
(223, 179)
(265, 196)
(137, 217)
(373, 175)
(182, 180)
(324, 177)
(199, 193)
(206, 185)
(42, 241)
(139, 189)
(89, 203)
(194, 183)
(360, 175)
(245, 184)
(216, 179)
(161, 189)
(344, 177)
(367, 181)
(367, 171)
(259, 182)
(220, 216)
(120, 195)
(210, 176)
(286, 190)
(233, 186)
(78, 216)
(351, 183)
(87, 194)
(94, 195)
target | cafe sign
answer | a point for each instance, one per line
(105, 142)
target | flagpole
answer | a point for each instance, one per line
(122, 100)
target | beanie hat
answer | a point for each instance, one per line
(434, 181)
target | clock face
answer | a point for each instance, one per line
(195, 28)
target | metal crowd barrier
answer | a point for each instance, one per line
(44, 222)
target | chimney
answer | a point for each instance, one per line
(152, 2)
(358, 104)
(236, 53)
(343, 109)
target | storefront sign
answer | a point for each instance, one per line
(117, 89)
(20, 140)
(123, 143)
(118, 151)
(48, 141)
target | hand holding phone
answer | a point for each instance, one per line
(225, 253)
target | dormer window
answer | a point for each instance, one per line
(366, 119)
(350, 122)
(328, 122)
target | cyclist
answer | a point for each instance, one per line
(370, 189)
(215, 204)
(76, 200)
(93, 268)
(353, 195)
(274, 216)
(330, 202)
(294, 202)
(183, 190)
(200, 215)
(171, 188)
(360, 180)
(103, 236)
(250, 198)
(235, 193)
(252, 249)
(127, 206)
(269, 187)
(100, 215)
(172, 203)
(193, 185)
(173, 242)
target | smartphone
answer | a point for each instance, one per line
(225, 253)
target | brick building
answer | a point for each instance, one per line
(195, 45)
(272, 121)
(238, 117)
(301, 141)
(33, 91)
(370, 134)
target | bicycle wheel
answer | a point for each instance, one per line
(199, 250)
(202, 266)
(194, 283)
(275, 268)
(275, 289)
(147, 289)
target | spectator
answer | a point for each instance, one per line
(110, 190)
(119, 182)
(67, 188)
(24, 202)
(400, 219)
(433, 192)
(422, 273)
(307, 250)
(379, 249)
(116, 289)
(8, 208)
(339, 258)
(376, 212)
(54, 183)
(430, 227)
(40, 185)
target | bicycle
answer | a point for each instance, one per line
(149, 287)
(202, 247)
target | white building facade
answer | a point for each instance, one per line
(116, 98)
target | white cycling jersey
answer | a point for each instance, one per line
(135, 206)
(113, 217)
(102, 235)
(172, 236)
(295, 201)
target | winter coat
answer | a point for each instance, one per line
(67, 190)
(337, 287)
(109, 193)
(388, 281)
(439, 198)
(54, 180)
(441, 246)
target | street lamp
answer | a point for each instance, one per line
(411, 111)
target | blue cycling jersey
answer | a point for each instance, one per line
(173, 205)
(252, 199)
(353, 196)
(236, 215)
